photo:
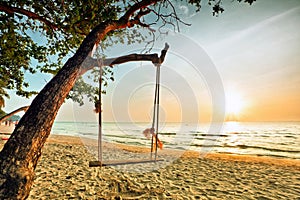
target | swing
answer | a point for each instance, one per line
(154, 139)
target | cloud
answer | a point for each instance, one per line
(281, 19)
(184, 9)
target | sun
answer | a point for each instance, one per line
(234, 105)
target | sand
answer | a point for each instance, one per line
(63, 173)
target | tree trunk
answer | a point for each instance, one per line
(24, 108)
(20, 154)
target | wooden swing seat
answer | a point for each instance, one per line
(121, 162)
(101, 163)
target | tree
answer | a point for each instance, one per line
(11, 114)
(62, 25)
(65, 33)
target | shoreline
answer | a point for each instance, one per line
(63, 173)
(75, 140)
(288, 162)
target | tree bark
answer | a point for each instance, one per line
(24, 108)
(89, 63)
(21, 152)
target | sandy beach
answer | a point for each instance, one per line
(63, 173)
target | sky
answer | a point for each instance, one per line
(243, 65)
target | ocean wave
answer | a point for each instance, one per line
(209, 134)
(205, 145)
(242, 146)
(267, 139)
(125, 136)
(168, 133)
(87, 133)
(291, 136)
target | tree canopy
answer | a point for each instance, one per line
(35, 31)
(70, 27)
(47, 32)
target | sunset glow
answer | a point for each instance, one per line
(234, 105)
(254, 51)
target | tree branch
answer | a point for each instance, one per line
(12, 10)
(138, 6)
(24, 108)
(20, 154)
(90, 62)
(138, 57)
(131, 57)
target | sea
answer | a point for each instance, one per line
(272, 139)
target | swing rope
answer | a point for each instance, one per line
(155, 119)
(153, 131)
(100, 108)
(154, 128)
